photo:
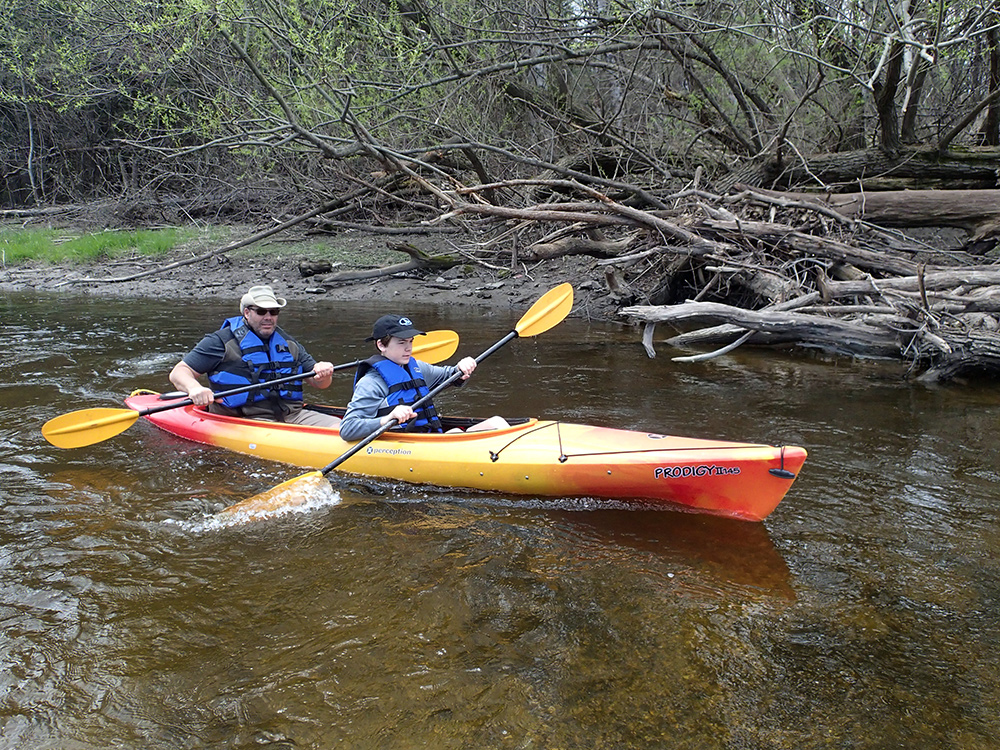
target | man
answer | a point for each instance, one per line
(251, 348)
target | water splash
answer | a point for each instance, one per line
(301, 495)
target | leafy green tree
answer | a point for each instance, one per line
(275, 102)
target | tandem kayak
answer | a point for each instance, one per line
(533, 457)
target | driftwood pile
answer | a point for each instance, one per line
(765, 268)
(798, 270)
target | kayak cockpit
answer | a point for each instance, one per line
(447, 423)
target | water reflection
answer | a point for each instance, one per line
(721, 554)
(863, 613)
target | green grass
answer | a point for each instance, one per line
(69, 245)
(54, 245)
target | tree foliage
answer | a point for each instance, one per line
(276, 99)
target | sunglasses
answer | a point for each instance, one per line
(262, 311)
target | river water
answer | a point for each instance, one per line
(863, 613)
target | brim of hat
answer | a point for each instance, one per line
(406, 333)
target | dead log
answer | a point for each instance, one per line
(419, 261)
(943, 279)
(970, 210)
(760, 282)
(852, 338)
(967, 345)
(972, 353)
(314, 267)
(576, 246)
(374, 273)
(955, 292)
(30, 213)
(876, 169)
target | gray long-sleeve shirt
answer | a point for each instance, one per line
(361, 418)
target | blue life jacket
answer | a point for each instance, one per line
(249, 360)
(406, 386)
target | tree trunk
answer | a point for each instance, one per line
(912, 168)
(970, 210)
(991, 125)
(885, 99)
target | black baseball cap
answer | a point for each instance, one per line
(394, 325)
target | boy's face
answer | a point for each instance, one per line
(397, 350)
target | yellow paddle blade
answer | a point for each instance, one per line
(550, 309)
(295, 491)
(435, 346)
(87, 426)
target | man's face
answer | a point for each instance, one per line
(261, 320)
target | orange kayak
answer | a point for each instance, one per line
(531, 457)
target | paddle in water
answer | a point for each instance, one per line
(88, 426)
(548, 311)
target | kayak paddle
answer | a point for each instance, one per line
(88, 426)
(548, 311)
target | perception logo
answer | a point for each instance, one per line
(388, 451)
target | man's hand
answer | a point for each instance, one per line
(323, 376)
(185, 379)
(200, 395)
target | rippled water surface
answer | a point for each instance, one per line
(862, 614)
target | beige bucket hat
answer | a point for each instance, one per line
(261, 296)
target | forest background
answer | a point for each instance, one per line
(819, 174)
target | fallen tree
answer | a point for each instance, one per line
(844, 286)
(975, 211)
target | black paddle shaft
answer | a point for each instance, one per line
(454, 377)
(234, 391)
(242, 388)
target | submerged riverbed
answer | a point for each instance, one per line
(863, 613)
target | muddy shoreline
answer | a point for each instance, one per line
(228, 275)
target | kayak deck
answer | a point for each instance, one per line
(531, 457)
